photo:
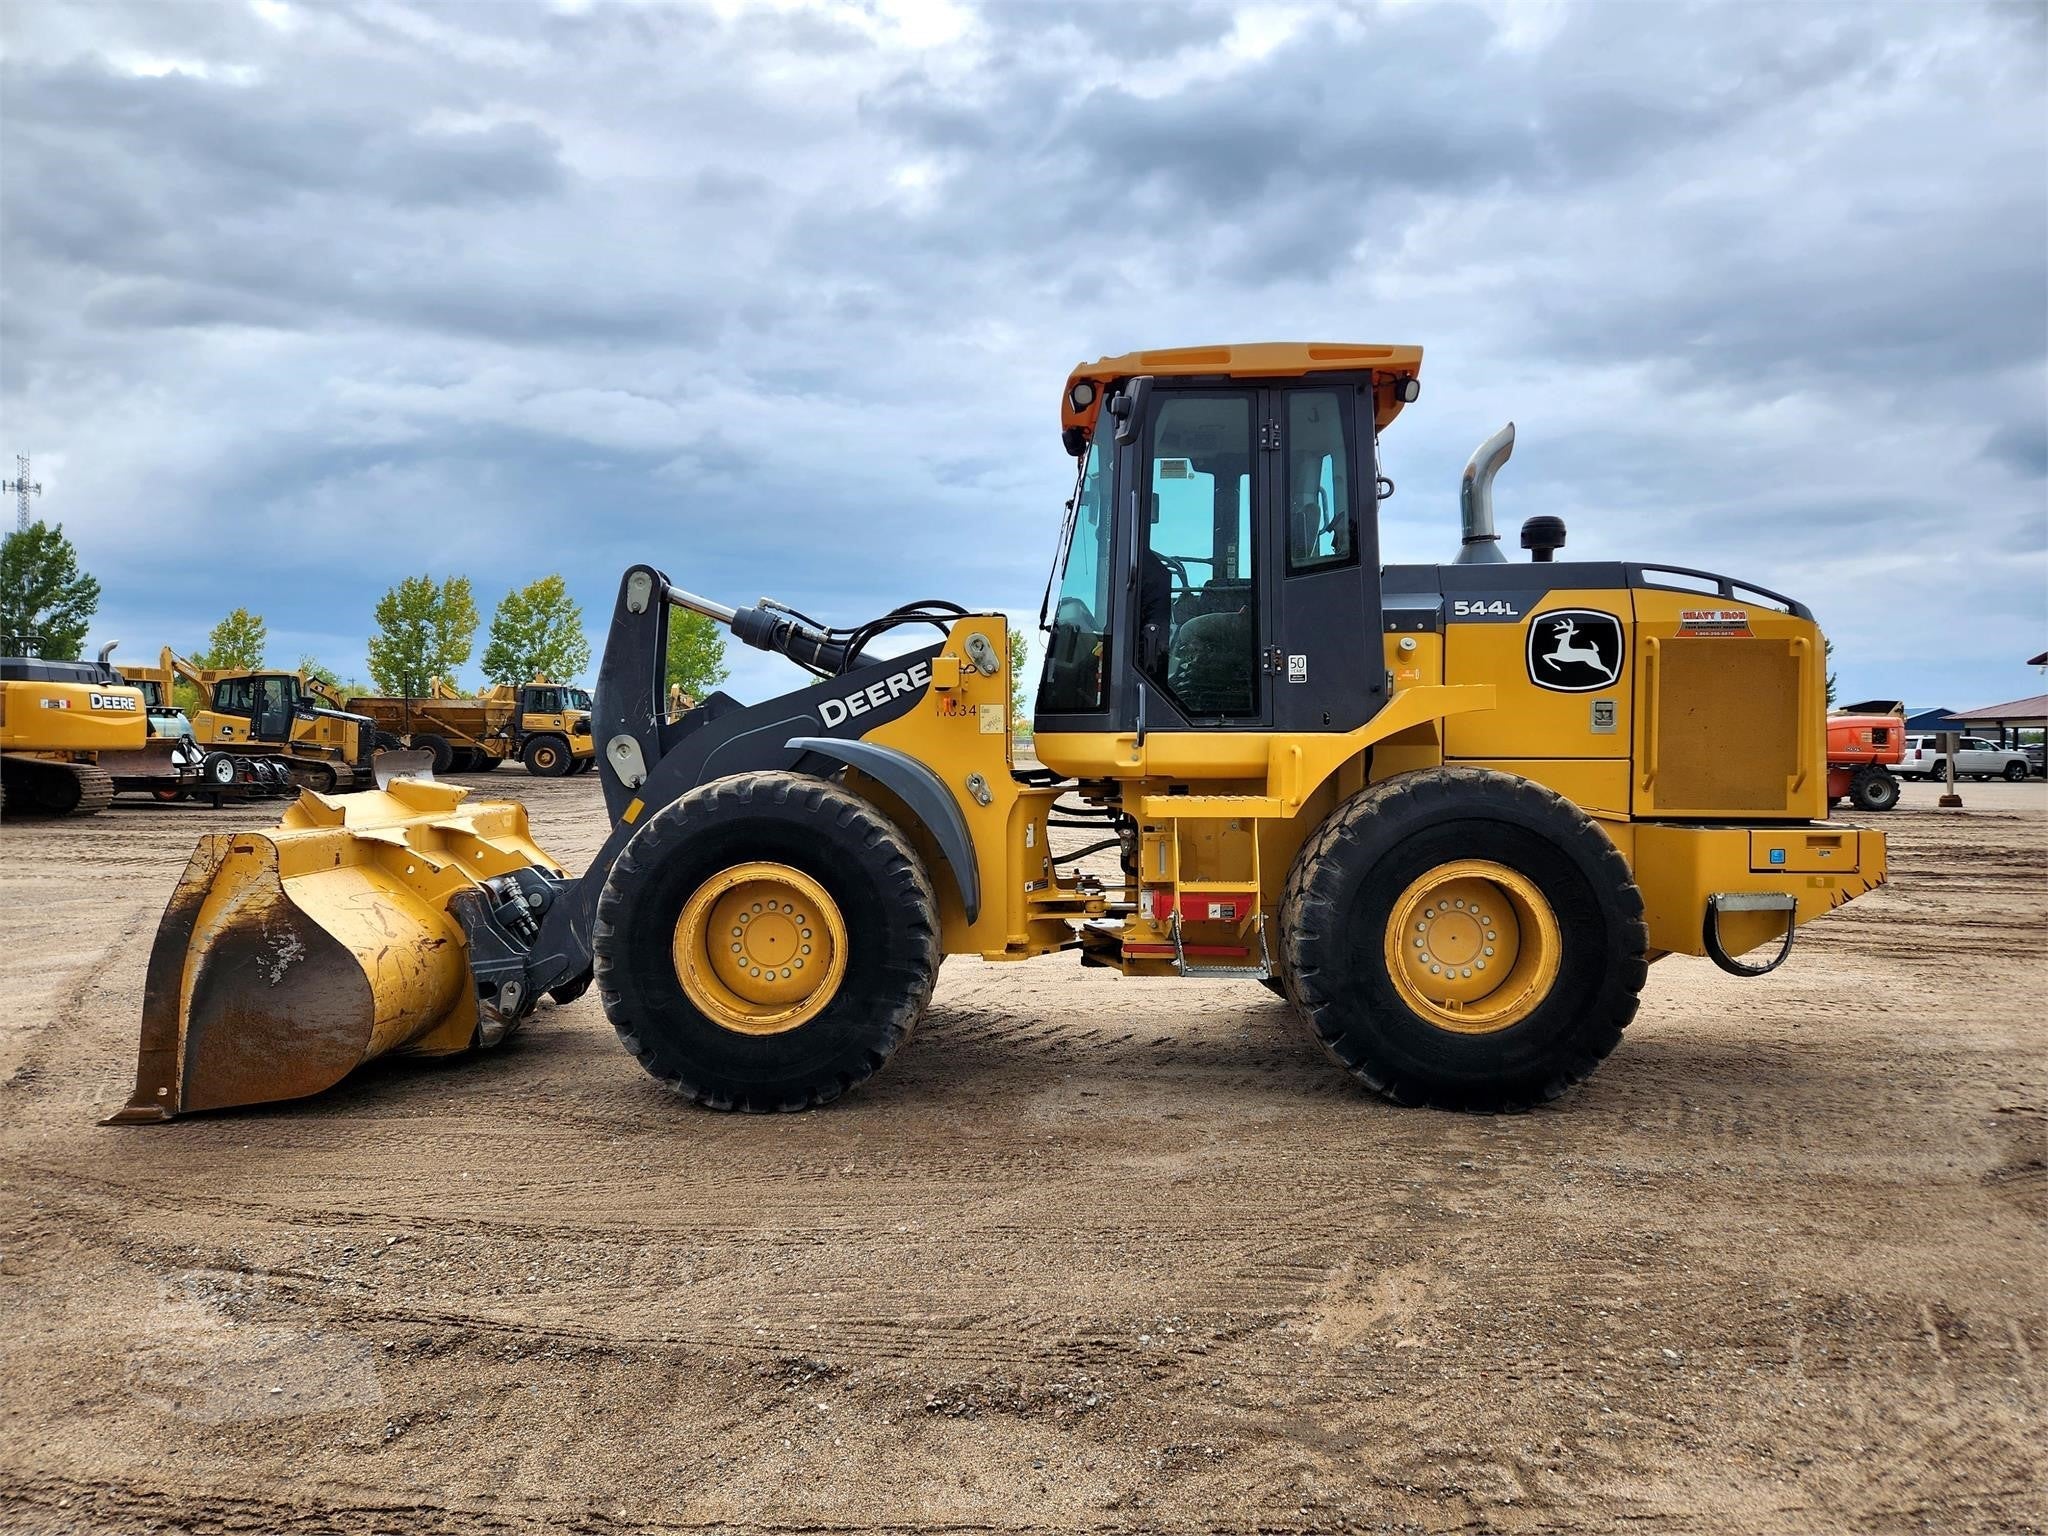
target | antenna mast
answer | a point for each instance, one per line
(21, 487)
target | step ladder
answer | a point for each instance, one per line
(1250, 890)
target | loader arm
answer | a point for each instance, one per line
(648, 762)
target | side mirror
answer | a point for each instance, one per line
(1128, 407)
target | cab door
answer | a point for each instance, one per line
(1197, 622)
(1323, 664)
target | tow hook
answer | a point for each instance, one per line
(1749, 901)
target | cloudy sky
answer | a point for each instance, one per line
(300, 298)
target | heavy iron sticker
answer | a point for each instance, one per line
(1575, 650)
(1701, 622)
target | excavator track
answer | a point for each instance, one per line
(45, 787)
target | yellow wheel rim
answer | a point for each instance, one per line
(1473, 947)
(760, 948)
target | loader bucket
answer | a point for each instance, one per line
(288, 957)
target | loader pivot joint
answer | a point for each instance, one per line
(501, 919)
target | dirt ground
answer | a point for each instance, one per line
(1090, 1255)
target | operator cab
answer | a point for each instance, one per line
(1219, 568)
(553, 699)
(266, 700)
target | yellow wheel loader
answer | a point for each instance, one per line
(1451, 812)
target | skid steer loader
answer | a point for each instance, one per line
(1451, 812)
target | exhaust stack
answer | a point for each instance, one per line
(1481, 544)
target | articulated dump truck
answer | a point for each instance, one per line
(1452, 813)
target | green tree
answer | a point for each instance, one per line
(238, 643)
(311, 666)
(425, 630)
(696, 653)
(1827, 656)
(44, 596)
(1020, 660)
(537, 631)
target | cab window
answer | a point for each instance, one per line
(1321, 526)
(1197, 592)
(1077, 643)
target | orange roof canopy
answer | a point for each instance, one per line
(1250, 360)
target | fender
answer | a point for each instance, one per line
(920, 789)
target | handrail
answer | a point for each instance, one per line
(1650, 709)
(1724, 586)
(1803, 649)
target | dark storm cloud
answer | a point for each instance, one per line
(782, 296)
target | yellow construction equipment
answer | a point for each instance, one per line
(283, 725)
(544, 725)
(58, 720)
(1451, 812)
(288, 957)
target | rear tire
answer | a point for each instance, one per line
(876, 935)
(547, 757)
(1559, 892)
(440, 746)
(1873, 789)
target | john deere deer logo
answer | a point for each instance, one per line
(1574, 650)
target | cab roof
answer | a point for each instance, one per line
(1248, 360)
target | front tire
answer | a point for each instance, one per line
(2015, 773)
(547, 757)
(719, 906)
(1399, 904)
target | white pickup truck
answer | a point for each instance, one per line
(1976, 758)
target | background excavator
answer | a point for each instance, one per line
(1452, 813)
(74, 734)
